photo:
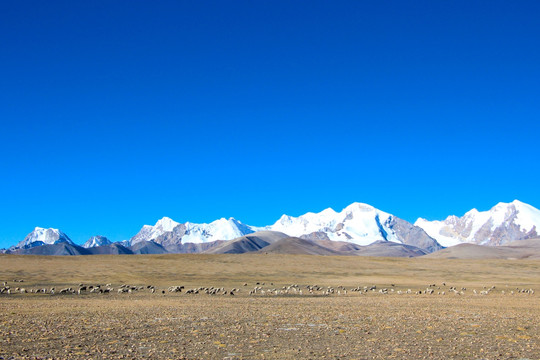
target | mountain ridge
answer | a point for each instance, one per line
(358, 224)
(503, 223)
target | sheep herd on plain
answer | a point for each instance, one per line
(260, 289)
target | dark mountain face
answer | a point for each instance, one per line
(389, 249)
(412, 235)
(97, 240)
(298, 246)
(111, 249)
(59, 249)
(148, 247)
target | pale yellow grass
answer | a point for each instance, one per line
(211, 270)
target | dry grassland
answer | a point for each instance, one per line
(372, 325)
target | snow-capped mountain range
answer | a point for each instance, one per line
(358, 223)
(504, 223)
(168, 232)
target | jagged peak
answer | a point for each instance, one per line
(96, 240)
(501, 224)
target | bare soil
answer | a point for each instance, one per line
(460, 324)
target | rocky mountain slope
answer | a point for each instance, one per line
(168, 232)
(248, 243)
(97, 240)
(40, 236)
(503, 223)
(358, 223)
(298, 246)
(358, 229)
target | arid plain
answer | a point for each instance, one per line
(300, 306)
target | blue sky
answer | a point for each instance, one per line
(115, 114)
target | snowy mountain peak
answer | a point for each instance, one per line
(162, 227)
(40, 230)
(43, 236)
(166, 224)
(357, 206)
(97, 240)
(168, 232)
(221, 229)
(503, 223)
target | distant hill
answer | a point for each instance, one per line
(193, 248)
(339, 246)
(63, 248)
(294, 245)
(520, 249)
(248, 243)
(148, 247)
(111, 249)
(389, 249)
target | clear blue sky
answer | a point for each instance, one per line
(117, 113)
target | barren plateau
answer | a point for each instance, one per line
(282, 307)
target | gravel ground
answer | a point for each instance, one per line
(352, 326)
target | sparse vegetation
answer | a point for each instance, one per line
(377, 307)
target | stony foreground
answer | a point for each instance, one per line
(353, 326)
(481, 309)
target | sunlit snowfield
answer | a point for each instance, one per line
(299, 307)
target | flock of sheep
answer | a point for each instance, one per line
(260, 289)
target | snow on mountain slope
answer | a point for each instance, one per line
(358, 223)
(435, 230)
(41, 236)
(503, 223)
(169, 232)
(95, 241)
(221, 229)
